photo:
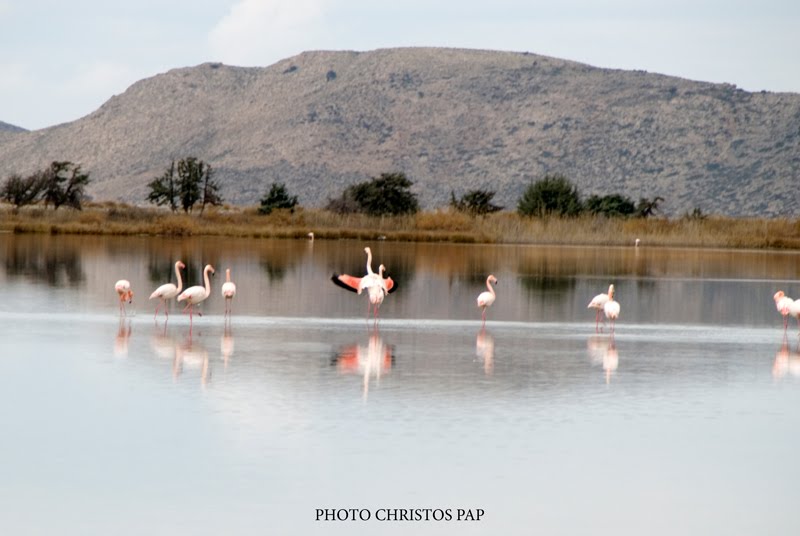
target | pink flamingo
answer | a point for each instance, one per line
(611, 308)
(123, 288)
(168, 291)
(228, 291)
(377, 286)
(196, 294)
(598, 302)
(486, 298)
(783, 303)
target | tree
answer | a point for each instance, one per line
(184, 185)
(23, 191)
(64, 184)
(211, 194)
(190, 176)
(552, 195)
(164, 190)
(614, 205)
(278, 197)
(647, 207)
(476, 202)
(387, 194)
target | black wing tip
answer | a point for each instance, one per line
(338, 283)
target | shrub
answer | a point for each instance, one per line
(277, 198)
(476, 202)
(552, 195)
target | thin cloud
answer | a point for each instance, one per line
(260, 32)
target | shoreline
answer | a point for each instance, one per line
(432, 226)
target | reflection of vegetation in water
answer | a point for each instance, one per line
(161, 271)
(56, 266)
(275, 270)
(547, 284)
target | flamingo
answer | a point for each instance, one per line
(123, 288)
(597, 303)
(377, 286)
(794, 310)
(783, 303)
(196, 294)
(310, 236)
(611, 308)
(486, 298)
(168, 291)
(228, 291)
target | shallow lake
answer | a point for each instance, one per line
(682, 422)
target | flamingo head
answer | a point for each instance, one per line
(211, 269)
(127, 296)
(181, 266)
(778, 295)
(367, 251)
(492, 279)
(227, 274)
(610, 291)
(381, 269)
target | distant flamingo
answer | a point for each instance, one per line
(611, 308)
(486, 298)
(168, 291)
(196, 294)
(310, 236)
(597, 303)
(783, 303)
(123, 288)
(228, 291)
(377, 286)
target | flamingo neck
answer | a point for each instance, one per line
(489, 286)
(228, 275)
(369, 262)
(178, 274)
(208, 283)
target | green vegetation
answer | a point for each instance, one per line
(550, 211)
(185, 185)
(553, 195)
(387, 195)
(614, 205)
(62, 183)
(475, 202)
(277, 198)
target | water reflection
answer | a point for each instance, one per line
(122, 340)
(226, 345)
(787, 360)
(373, 359)
(192, 354)
(56, 264)
(603, 351)
(484, 349)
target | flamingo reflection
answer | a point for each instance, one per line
(122, 338)
(484, 348)
(787, 360)
(374, 359)
(226, 344)
(192, 355)
(603, 350)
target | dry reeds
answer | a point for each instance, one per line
(435, 226)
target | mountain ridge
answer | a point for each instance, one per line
(451, 119)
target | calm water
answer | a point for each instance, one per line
(685, 422)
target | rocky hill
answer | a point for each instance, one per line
(6, 127)
(450, 119)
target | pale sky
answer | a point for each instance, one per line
(61, 60)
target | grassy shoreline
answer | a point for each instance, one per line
(436, 226)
